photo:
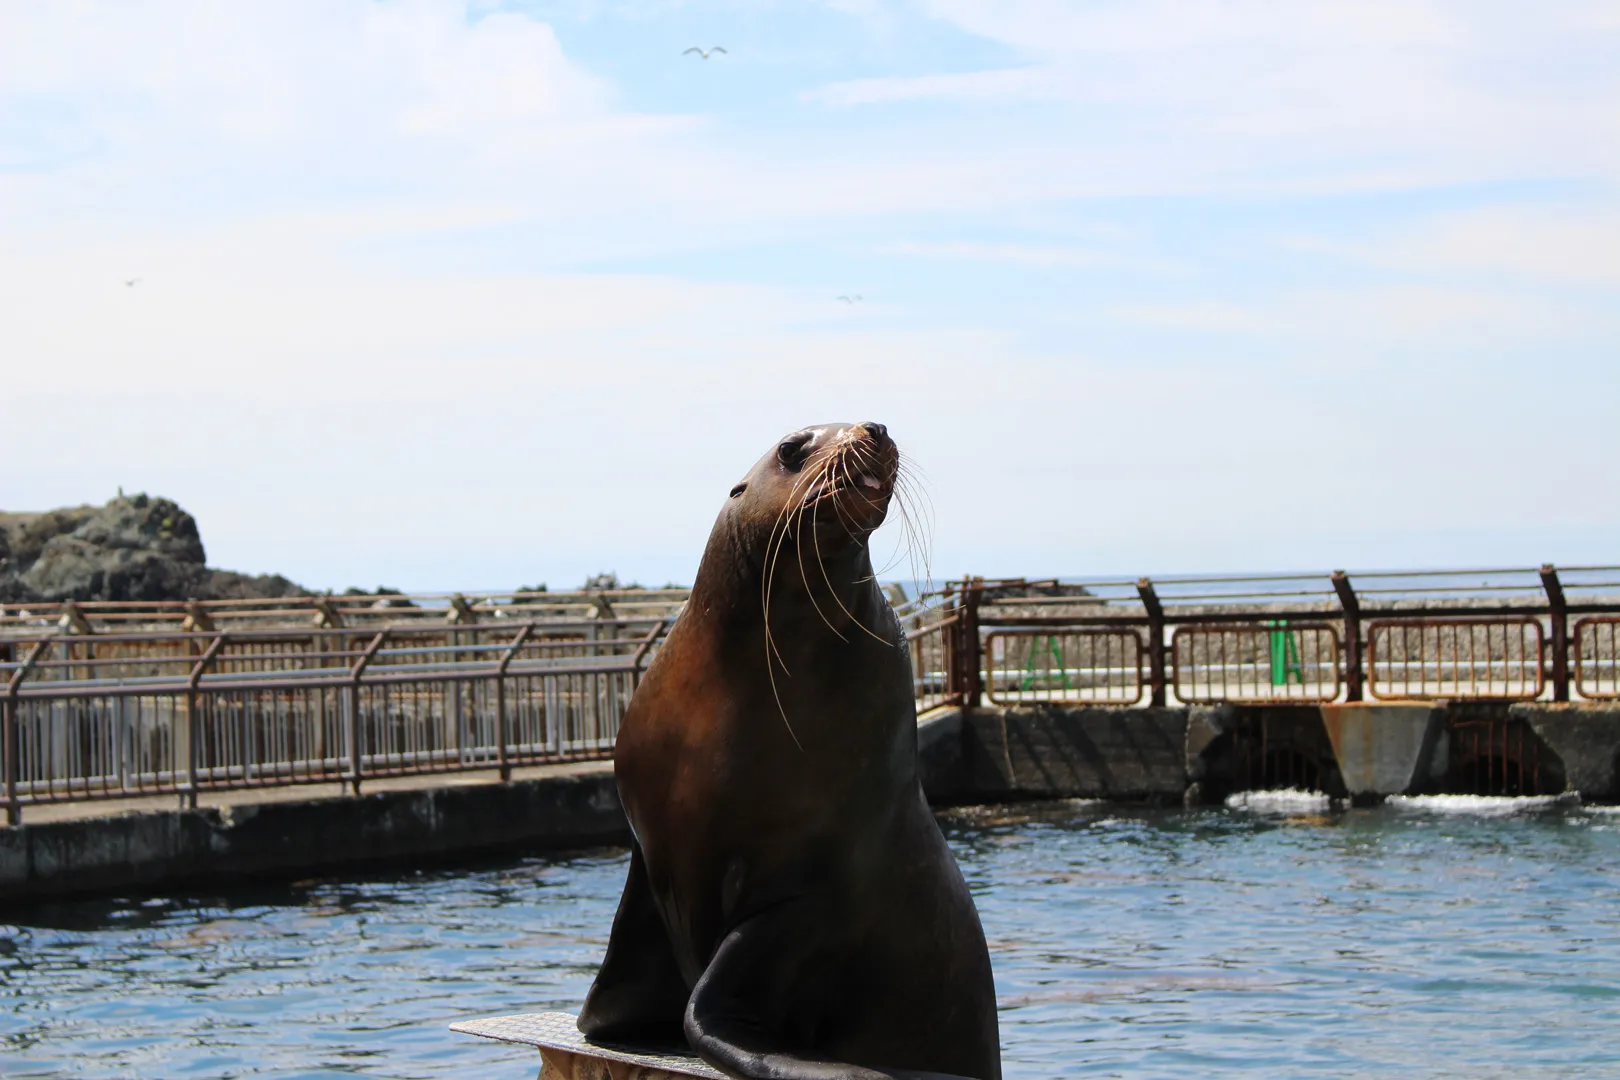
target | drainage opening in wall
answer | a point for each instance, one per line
(1271, 748)
(1499, 755)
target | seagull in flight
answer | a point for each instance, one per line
(705, 54)
(851, 300)
(130, 283)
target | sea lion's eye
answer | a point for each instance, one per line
(791, 452)
(738, 490)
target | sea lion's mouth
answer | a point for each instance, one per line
(872, 489)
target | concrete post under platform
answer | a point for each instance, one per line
(1386, 749)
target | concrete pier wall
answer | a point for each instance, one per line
(572, 808)
(1586, 739)
(1034, 752)
(1157, 755)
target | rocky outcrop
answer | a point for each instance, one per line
(134, 548)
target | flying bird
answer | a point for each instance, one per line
(705, 54)
(130, 283)
(849, 299)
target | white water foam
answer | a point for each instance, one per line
(1484, 805)
(1281, 800)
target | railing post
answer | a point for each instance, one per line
(189, 796)
(461, 611)
(1353, 681)
(1155, 615)
(355, 673)
(8, 742)
(969, 647)
(12, 737)
(1559, 612)
(197, 619)
(500, 699)
(641, 653)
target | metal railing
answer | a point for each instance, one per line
(115, 716)
(1082, 667)
(1272, 662)
(1497, 659)
(210, 701)
(348, 611)
(1497, 634)
(1597, 657)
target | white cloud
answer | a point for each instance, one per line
(1207, 316)
(1033, 255)
(1573, 246)
(1000, 84)
(1446, 88)
(289, 71)
(1333, 320)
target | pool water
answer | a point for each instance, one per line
(1434, 938)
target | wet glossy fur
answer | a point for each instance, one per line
(792, 911)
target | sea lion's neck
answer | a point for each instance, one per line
(830, 591)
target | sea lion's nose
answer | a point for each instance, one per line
(878, 431)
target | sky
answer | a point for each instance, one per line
(450, 295)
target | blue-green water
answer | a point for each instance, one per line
(1128, 943)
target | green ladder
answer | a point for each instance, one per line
(1285, 663)
(1045, 645)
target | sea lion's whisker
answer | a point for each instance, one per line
(810, 591)
(838, 506)
(773, 554)
(914, 502)
(821, 562)
(769, 579)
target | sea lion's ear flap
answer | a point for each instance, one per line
(738, 490)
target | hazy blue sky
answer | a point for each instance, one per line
(447, 295)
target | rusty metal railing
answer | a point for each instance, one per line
(1467, 659)
(98, 718)
(351, 611)
(1297, 662)
(1597, 657)
(1496, 634)
(349, 688)
(1079, 667)
(933, 650)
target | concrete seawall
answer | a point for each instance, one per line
(567, 806)
(1159, 755)
(1191, 754)
(1132, 755)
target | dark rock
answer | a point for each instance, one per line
(230, 585)
(135, 547)
(1022, 589)
(386, 597)
(608, 582)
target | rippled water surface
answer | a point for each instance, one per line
(1411, 941)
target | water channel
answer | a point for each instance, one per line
(1448, 938)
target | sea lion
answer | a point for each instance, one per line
(791, 910)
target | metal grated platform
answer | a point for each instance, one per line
(557, 1031)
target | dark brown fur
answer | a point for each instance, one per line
(792, 909)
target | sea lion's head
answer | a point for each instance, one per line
(824, 488)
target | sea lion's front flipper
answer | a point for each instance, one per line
(639, 994)
(725, 1019)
